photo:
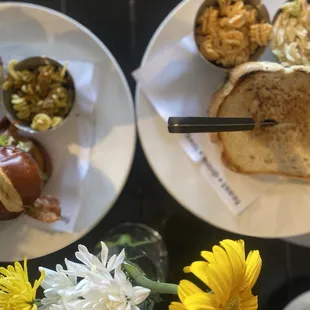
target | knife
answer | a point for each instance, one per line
(214, 124)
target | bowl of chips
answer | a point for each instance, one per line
(38, 94)
(229, 32)
(290, 40)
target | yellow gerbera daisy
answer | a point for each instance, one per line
(16, 291)
(229, 276)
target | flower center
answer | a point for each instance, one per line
(233, 304)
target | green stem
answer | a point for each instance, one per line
(156, 287)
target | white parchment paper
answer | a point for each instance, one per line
(70, 146)
(179, 83)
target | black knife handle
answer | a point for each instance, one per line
(209, 124)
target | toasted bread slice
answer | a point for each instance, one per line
(266, 91)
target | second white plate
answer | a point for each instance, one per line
(46, 32)
(181, 177)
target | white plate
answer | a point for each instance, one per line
(49, 32)
(303, 240)
(302, 302)
(181, 177)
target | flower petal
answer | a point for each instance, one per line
(104, 253)
(49, 275)
(122, 282)
(216, 277)
(201, 301)
(236, 246)
(141, 294)
(176, 306)
(120, 258)
(119, 275)
(115, 261)
(220, 256)
(253, 269)
(186, 289)
(97, 279)
(87, 258)
(248, 301)
(208, 256)
(236, 255)
(77, 269)
(111, 262)
(200, 270)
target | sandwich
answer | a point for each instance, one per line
(25, 167)
(264, 90)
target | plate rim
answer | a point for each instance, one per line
(80, 234)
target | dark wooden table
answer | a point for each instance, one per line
(126, 26)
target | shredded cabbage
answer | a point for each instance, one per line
(294, 8)
(6, 140)
(24, 146)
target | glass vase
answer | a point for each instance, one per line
(144, 248)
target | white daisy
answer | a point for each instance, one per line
(98, 288)
(92, 263)
(59, 287)
(117, 293)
